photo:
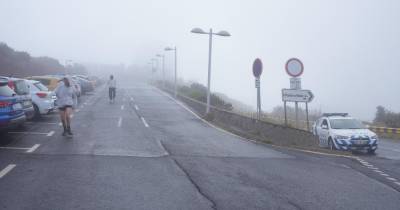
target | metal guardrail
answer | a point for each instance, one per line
(385, 130)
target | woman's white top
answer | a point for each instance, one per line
(64, 95)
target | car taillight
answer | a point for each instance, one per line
(5, 104)
(42, 95)
(11, 85)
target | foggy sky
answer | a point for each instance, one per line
(350, 48)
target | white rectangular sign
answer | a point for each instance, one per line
(297, 95)
(295, 83)
(257, 83)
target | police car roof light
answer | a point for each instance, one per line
(335, 114)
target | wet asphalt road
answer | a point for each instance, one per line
(147, 152)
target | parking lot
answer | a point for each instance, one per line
(35, 133)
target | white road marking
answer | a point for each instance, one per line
(46, 123)
(136, 107)
(6, 170)
(26, 132)
(22, 148)
(391, 179)
(144, 122)
(33, 148)
(77, 110)
(378, 171)
(398, 183)
(383, 174)
(50, 133)
(163, 148)
(119, 122)
(131, 98)
(122, 107)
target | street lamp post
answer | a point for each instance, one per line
(163, 67)
(176, 71)
(67, 64)
(221, 33)
(154, 64)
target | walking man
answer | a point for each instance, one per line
(112, 86)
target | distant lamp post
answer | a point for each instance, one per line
(221, 33)
(67, 64)
(154, 64)
(176, 71)
(163, 67)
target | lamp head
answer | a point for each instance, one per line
(223, 33)
(198, 31)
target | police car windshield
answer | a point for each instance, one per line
(346, 124)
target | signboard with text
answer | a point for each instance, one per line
(291, 95)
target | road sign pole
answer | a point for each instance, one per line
(308, 122)
(176, 74)
(257, 70)
(209, 72)
(258, 103)
(297, 113)
(284, 107)
(163, 70)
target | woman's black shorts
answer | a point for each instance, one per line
(63, 108)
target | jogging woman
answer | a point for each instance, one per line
(65, 94)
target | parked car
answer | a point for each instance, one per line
(50, 82)
(88, 78)
(339, 131)
(86, 85)
(11, 111)
(77, 86)
(43, 100)
(20, 87)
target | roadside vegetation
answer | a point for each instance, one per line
(386, 118)
(198, 92)
(21, 64)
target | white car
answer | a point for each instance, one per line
(42, 99)
(339, 131)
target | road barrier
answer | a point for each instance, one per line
(385, 130)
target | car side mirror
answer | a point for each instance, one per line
(324, 126)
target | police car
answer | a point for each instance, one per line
(342, 132)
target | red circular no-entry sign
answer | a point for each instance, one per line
(294, 67)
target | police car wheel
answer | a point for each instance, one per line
(371, 151)
(331, 145)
